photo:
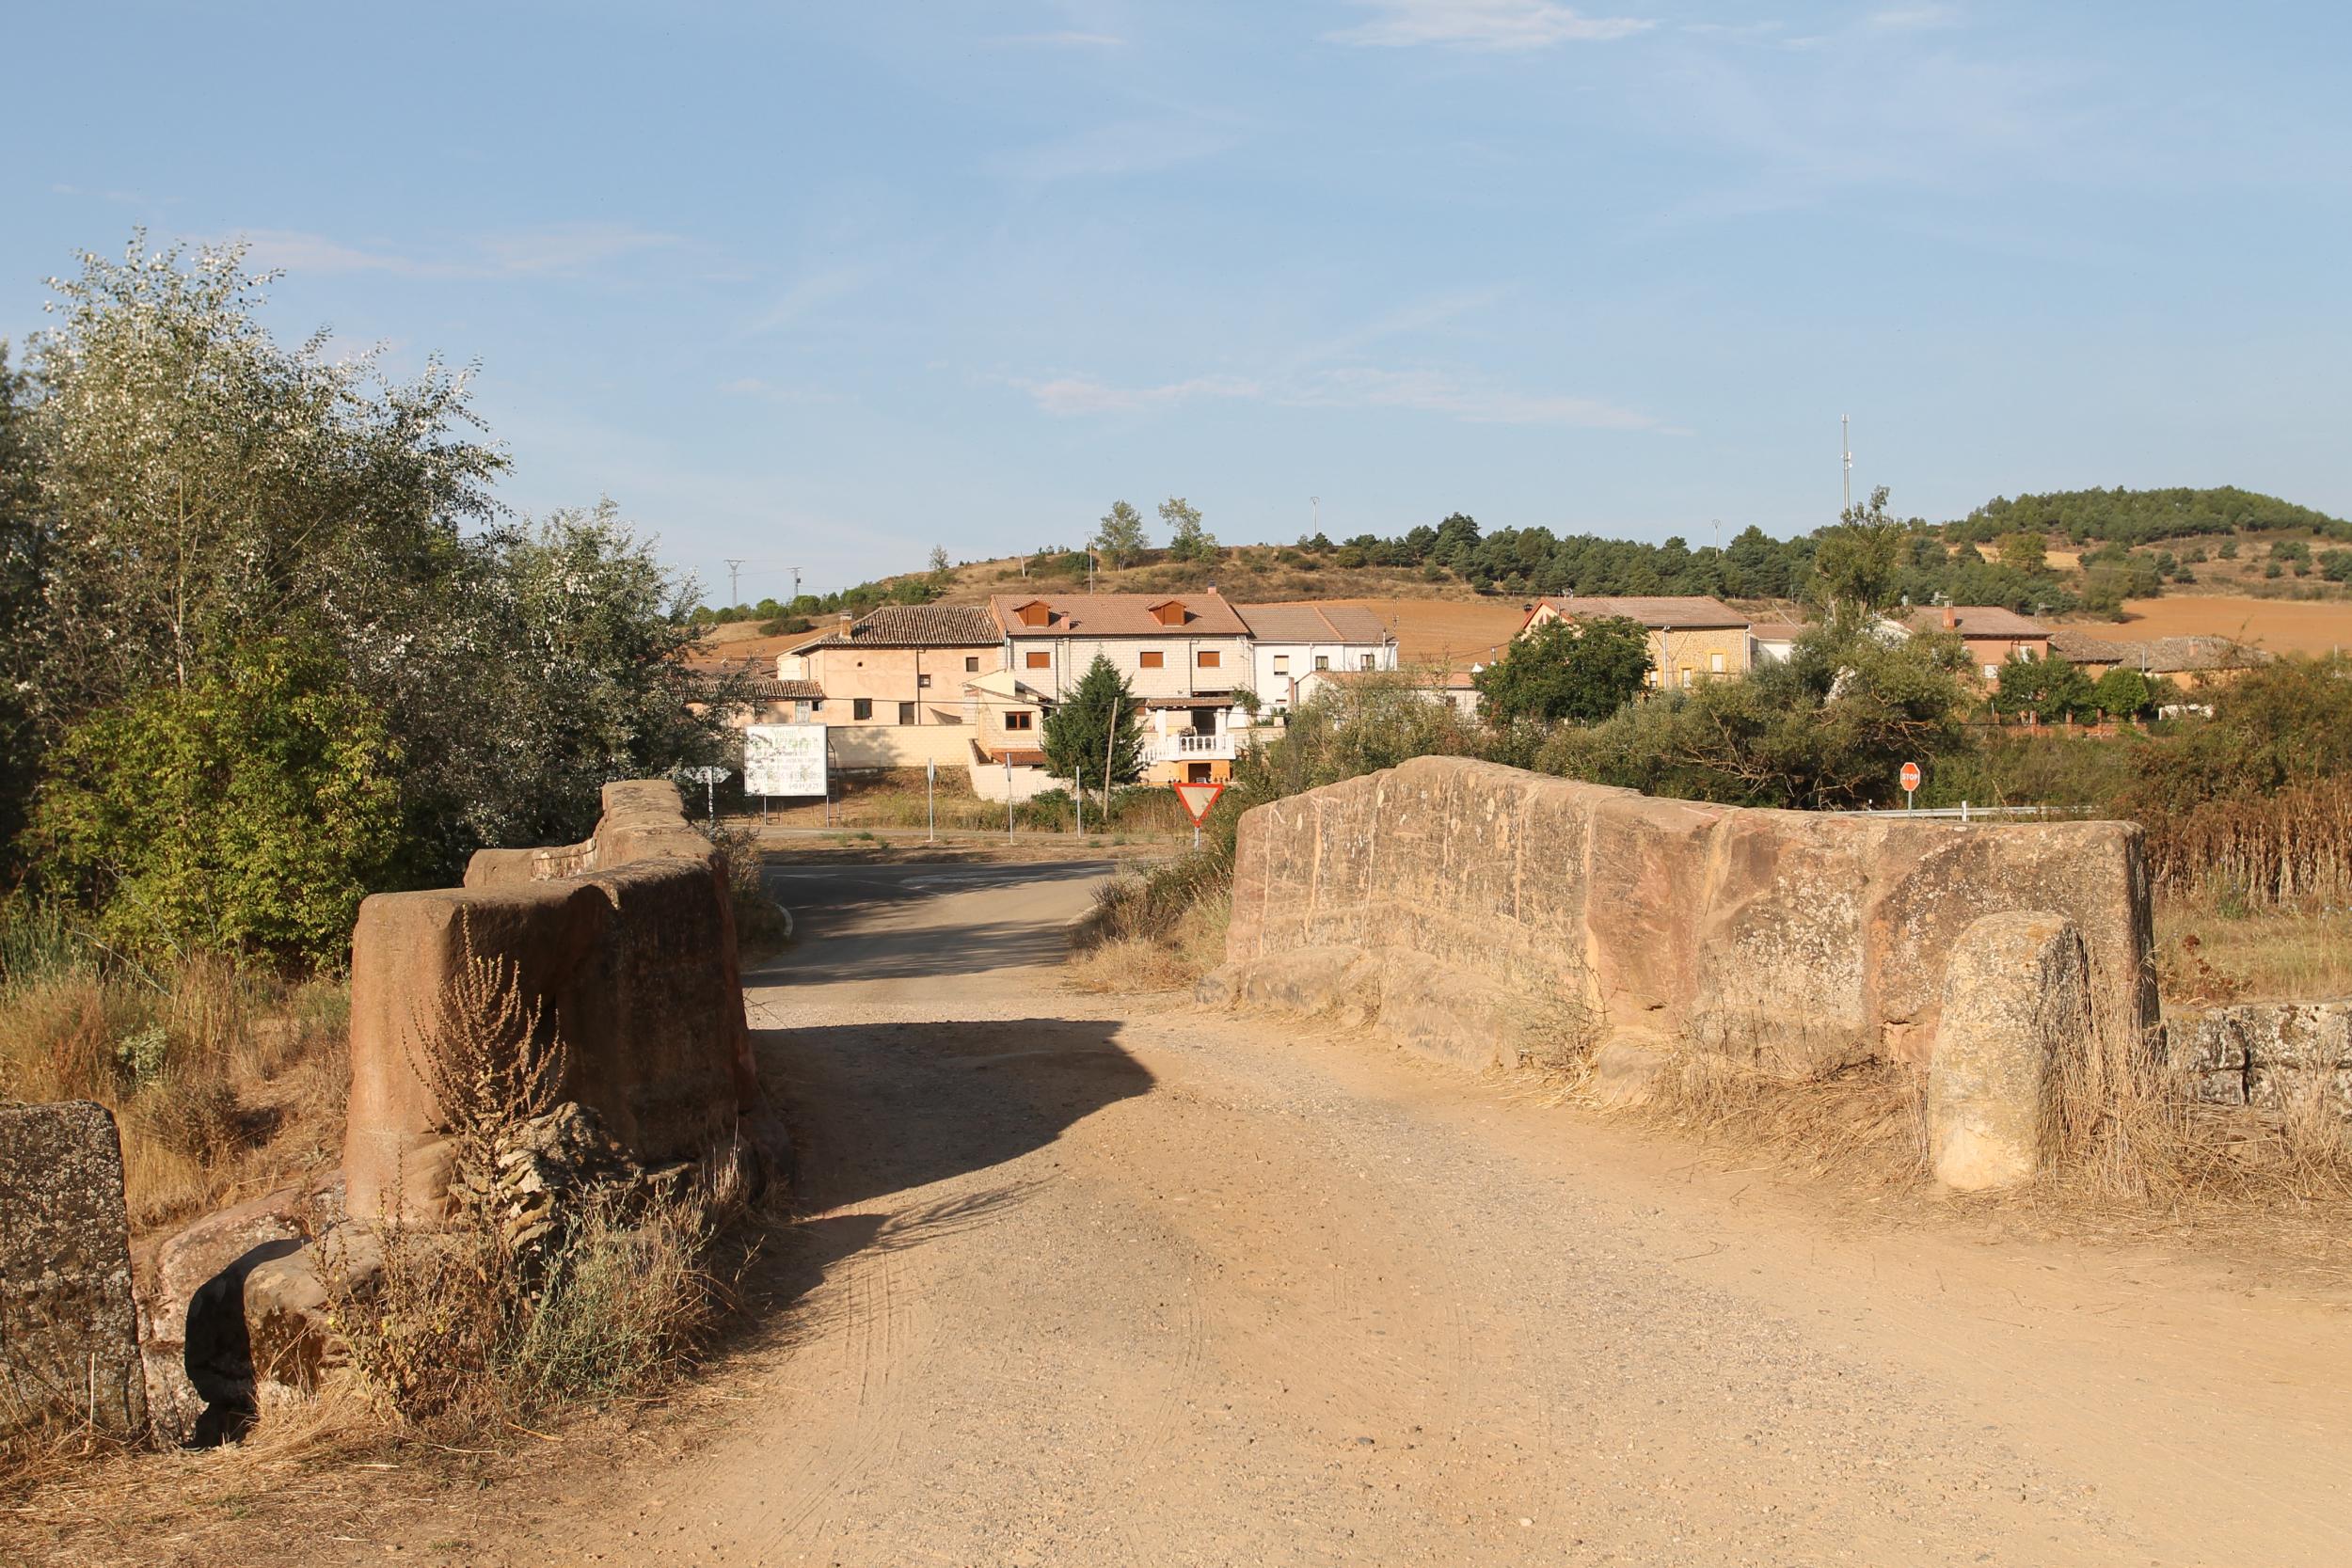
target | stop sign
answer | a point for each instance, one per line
(1911, 777)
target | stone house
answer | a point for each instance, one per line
(2195, 662)
(1992, 634)
(903, 665)
(1693, 638)
(1290, 642)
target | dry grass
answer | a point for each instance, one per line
(1170, 959)
(224, 1081)
(2216, 949)
(485, 1324)
(2286, 849)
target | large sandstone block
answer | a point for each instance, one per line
(1797, 941)
(630, 943)
(2268, 1053)
(2017, 1013)
(68, 1328)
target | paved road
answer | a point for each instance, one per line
(1105, 1283)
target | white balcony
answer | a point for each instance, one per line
(1187, 747)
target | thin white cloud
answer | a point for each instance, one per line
(1439, 392)
(1083, 394)
(805, 295)
(1488, 24)
(557, 249)
(1127, 147)
(1427, 391)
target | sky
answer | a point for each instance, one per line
(825, 286)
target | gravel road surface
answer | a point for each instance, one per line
(1112, 1281)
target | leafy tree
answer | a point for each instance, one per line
(1095, 724)
(2122, 692)
(2275, 726)
(248, 811)
(2024, 550)
(1187, 540)
(1579, 669)
(1828, 729)
(2052, 688)
(1856, 563)
(20, 598)
(2336, 565)
(200, 483)
(1120, 537)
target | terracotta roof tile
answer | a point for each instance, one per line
(918, 625)
(1975, 620)
(1117, 616)
(1306, 620)
(1686, 612)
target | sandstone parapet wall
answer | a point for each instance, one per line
(1485, 913)
(628, 938)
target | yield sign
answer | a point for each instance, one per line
(1198, 799)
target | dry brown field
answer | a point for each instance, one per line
(2280, 626)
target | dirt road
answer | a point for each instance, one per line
(1096, 1282)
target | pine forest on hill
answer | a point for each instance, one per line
(2078, 552)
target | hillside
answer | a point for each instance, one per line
(2147, 516)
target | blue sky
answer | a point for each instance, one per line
(827, 285)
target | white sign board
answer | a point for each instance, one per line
(783, 759)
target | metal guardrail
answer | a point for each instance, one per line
(1966, 813)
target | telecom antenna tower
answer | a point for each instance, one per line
(1845, 446)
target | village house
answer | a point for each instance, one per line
(1992, 634)
(1291, 642)
(1691, 638)
(891, 683)
(1773, 642)
(1456, 688)
(1183, 656)
(2195, 662)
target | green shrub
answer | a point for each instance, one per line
(248, 811)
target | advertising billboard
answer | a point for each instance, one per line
(784, 760)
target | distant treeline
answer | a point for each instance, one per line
(2141, 517)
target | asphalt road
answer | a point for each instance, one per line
(1111, 1281)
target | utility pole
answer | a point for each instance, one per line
(1315, 524)
(1845, 447)
(735, 583)
(795, 582)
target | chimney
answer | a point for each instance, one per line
(1951, 618)
(1213, 588)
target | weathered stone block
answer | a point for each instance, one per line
(68, 1328)
(628, 939)
(2017, 1005)
(1797, 941)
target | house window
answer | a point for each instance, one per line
(971, 664)
(1715, 664)
(861, 707)
(1322, 661)
(1150, 658)
(906, 713)
(1200, 773)
(1686, 675)
(1208, 658)
(1363, 661)
(1281, 664)
(1037, 659)
(1019, 719)
(922, 681)
(1992, 671)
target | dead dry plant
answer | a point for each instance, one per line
(491, 1060)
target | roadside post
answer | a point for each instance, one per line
(1910, 783)
(709, 779)
(1197, 799)
(931, 795)
(1007, 797)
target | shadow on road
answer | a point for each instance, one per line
(883, 1112)
(846, 932)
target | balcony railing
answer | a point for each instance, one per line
(1190, 748)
